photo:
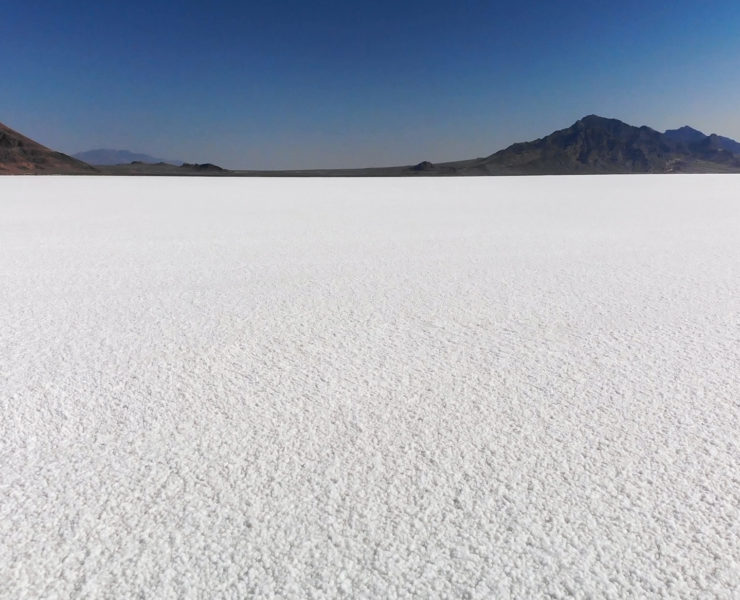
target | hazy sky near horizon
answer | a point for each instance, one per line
(295, 84)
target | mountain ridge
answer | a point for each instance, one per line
(690, 135)
(591, 145)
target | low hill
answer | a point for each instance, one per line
(166, 169)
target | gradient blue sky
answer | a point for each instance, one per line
(297, 84)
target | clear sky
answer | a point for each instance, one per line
(299, 84)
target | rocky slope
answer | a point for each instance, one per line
(22, 155)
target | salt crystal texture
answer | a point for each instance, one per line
(372, 388)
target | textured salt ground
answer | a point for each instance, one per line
(466, 388)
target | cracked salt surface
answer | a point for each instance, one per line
(378, 388)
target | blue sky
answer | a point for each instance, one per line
(339, 84)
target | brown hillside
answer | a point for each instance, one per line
(20, 155)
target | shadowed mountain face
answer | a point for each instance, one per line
(729, 144)
(21, 155)
(105, 156)
(689, 135)
(685, 134)
(591, 145)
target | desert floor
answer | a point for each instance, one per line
(372, 388)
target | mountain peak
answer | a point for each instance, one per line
(691, 136)
(685, 128)
(685, 134)
(596, 120)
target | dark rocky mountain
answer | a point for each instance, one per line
(21, 155)
(591, 145)
(105, 156)
(598, 145)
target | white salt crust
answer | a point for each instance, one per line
(370, 388)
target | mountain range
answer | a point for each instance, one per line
(592, 145)
(104, 156)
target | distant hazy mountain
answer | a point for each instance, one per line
(105, 156)
(21, 155)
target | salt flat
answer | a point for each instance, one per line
(372, 388)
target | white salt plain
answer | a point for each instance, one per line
(371, 388)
